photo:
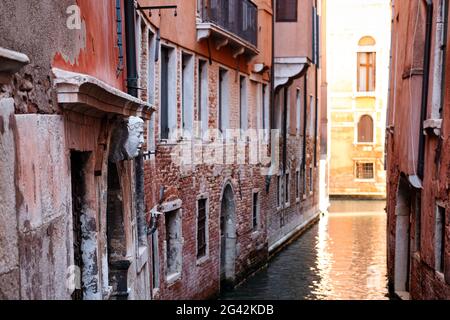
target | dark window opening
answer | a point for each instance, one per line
(365, 171)
(78, 162)
(255, 210)
(365, 129)
(440, 239)
(201, 228)
(286, 11)
(164, 126)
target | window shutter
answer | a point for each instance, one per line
(286, 10)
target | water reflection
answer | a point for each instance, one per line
(342, 257)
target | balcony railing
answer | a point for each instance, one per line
(236, 16)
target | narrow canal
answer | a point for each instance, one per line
(343, 257)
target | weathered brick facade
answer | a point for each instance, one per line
(418, 158)
(75, 221)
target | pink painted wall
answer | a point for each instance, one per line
(99, 56)
(294, 39)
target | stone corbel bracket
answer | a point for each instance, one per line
(288, 69)
(10, 63)
(88, 95)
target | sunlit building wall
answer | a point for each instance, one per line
(358, 47)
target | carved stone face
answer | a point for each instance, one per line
(127, 139)
(135, 141)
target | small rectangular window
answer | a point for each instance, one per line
(201, 228)
(417, 221)
(366, 71)
(297, 184)
(243, 113)
(223, 100)
(279, 191)
(187, 97)
(155, 261)
(440, 239)
(168, 121)
(173, 242)
(365, 170)
(298, 110)
(255, 210)
(286, 11)
(151, 68)
(202, 96)
(286, 192)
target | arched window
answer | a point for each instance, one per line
(365, 129)
(367, 41)
(366, 65)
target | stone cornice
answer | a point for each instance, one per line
(88, 95)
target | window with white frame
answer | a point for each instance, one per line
(151, 67)
(243, 104)
(187, 98)
(298, 110)
(265, 107)
(365, 170)
(173, 242)
(365, 129)
(223, 112)
(202, 96)
(366, 64)
(168, 105)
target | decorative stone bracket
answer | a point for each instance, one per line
(288, 69)
(88, 95)
(10, 63)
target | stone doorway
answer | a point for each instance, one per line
(78, 161)
(228, 239)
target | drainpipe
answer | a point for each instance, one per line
(425, 85)
(130, 38)
(285, 133)
(272, 95)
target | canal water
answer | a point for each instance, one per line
(343, 257)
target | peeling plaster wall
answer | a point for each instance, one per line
(43, 207)
(38, 29)
(9, 253)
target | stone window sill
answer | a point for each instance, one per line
(365, 94)
(440, 276)
(432, 127)
(173, 278)
(366, 180)
(255, 234)
(202, 260)
(142, 258)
